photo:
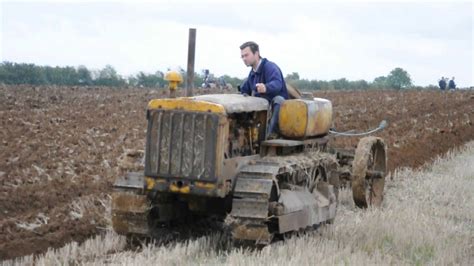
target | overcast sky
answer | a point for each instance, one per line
(320, 40)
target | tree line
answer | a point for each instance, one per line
(22, 73)
(396, 79)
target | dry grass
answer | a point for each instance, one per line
(427, 218)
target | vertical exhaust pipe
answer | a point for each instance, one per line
(191, 55)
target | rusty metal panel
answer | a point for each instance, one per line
(182, 144)
(232, 166)
(293, 221)
(257, 233)
(130, 180)
(290, 201)
(250, 208)
(261, 170)
(188, 144)
(300, 202)
(176, 144)
(129, 202)
(124, 223)
(302, 209)
(262, 187)
(236, 103)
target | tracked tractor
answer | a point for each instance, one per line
(207, 155)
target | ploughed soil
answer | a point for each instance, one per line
(421, 124)
(62, 147)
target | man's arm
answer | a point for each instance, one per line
(274, 80)
(245, 88)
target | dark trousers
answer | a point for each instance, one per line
(273, 125)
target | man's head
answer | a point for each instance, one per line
(250, 53)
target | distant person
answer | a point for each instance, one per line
(206, 84)
(452, 85)
(442, 84)
(222, 84)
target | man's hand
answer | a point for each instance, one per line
(261, 88)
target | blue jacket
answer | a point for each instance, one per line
(269, 74)
(442, 84)
(451, 84)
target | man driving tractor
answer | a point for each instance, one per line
(265, 80)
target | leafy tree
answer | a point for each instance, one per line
(340, 84)
(399, 78)
(70, 76)
(302, 84)
(293, 76)
(359, 85)
(84, 76)
(132, 81)
(7, 74)
(108, 77)
(380, 83)
(151, 80)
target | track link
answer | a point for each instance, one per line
(250, 205)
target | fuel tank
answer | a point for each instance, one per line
(304, 118)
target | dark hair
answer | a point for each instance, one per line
(253, 46)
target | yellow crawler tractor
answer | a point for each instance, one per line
(207, 155)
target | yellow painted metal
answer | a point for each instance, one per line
(184, 189)
(187, 189)
(205, 185)
(174, 78)
(254, 133)
(300, 118)
(150, 183)
(188, 104)
(293, 118)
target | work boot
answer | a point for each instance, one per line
(272, 136)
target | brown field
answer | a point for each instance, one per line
(61, 150)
